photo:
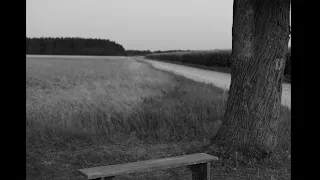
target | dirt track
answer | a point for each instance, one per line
(221, 80)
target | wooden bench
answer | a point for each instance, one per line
(199, 164)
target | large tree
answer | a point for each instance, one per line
(260, 35)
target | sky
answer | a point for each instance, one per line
(136, 24)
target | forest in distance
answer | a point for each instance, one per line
(104, 47)
(73, 46)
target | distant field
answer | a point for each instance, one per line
(93, 111)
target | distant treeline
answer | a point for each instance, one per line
(138, 52)
(146, 52)
(216, 58)
(168, 51)
(73, 46)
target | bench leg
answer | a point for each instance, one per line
(200, 171)
(105, 178)
(108, 178)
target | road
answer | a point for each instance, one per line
(221, 80)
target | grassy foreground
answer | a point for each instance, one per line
(86, 113)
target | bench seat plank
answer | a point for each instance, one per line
(148, 165)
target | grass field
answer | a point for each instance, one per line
(91, 112)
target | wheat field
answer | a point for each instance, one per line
(86, 112)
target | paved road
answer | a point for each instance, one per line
(221, 80)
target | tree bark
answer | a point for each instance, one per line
(260, 36)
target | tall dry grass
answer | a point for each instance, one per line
(84, 97)
(86, 113)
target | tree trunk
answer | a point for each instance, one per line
(260, 36)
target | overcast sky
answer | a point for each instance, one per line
(136, 24)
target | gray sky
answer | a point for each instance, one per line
(136, 24)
